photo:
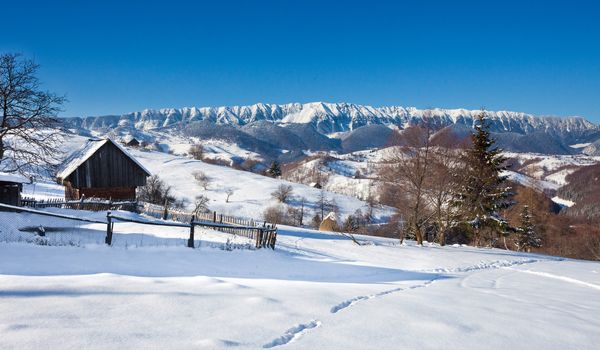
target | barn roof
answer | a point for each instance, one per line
(86, 151)
(9, 177)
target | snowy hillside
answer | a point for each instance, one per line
(315, 291)
(251, 192)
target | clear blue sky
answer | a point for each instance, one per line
(122, 56)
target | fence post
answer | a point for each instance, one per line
(166, 210)
(259, 234)
(109, 229)
(214, 216)
(191, 240)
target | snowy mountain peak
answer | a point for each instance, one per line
(548, 134)
(337, 117)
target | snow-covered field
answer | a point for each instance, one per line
(315, 291)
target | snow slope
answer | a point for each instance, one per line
(315, 291)
(252, 192)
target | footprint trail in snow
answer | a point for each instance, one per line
(293, 334)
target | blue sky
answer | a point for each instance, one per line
(120, 56)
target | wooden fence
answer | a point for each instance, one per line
(83, 204)
(264, 236)
(263, 233)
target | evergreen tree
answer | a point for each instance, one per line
(528, 237)
(483, 192)
(274, 170)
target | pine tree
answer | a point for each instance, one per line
(483, 192)
(528, 237)
(274, 170)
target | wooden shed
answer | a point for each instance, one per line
(102, 169)
(11, 186)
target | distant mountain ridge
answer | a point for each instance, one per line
(333, 118)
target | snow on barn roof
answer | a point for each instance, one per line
(9, 177)
(330, 216)
(86, 151)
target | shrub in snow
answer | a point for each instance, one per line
(281, 214)
(283, 193)
(197, 151)
(155, 191)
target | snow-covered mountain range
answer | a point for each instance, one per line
(517, 131)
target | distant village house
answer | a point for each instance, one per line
(102, 169)
(131, 142)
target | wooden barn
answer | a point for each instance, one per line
(11, 186)
(102, 169)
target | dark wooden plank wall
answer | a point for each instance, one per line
(10, 193)
(108, 167)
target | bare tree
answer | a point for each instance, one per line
(283, 193)
(408, 167)
(201, 204)
(301, 213)
(202, 179)
(322, 203)
(229, 192)
(442, 184)
(325, 205)
(29, 128)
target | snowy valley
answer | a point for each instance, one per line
(316, 290)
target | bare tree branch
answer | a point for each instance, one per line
(30, 132)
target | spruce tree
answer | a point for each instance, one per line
(274, 170)
(528, 237)
(484, 191)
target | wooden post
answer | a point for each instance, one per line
(273, 239)
(259, 234)
(214, 216)
(191, 240)
(109, 229)
(166, 210)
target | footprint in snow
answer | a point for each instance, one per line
(293, 334)
(358, 299)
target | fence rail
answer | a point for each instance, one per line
(83, 204)
(45, 213)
